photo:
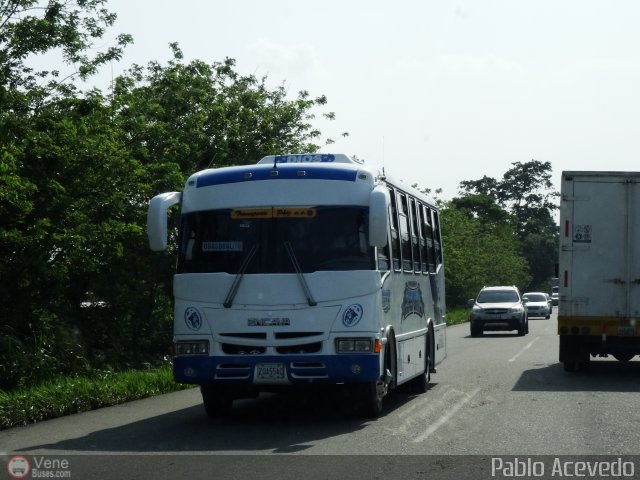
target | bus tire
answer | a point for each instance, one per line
(367, 399)
(216, 403)
(390, 362)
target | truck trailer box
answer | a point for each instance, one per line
(599, 266)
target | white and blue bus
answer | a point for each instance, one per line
(303, 271)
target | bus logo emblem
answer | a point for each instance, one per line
(386, 300)
(192, 318)
(352, 315)
(412, 302)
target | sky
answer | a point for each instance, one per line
(436, 92)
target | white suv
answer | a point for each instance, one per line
(498, 308)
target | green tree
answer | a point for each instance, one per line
(80, 287)
(478, 253)
(33, 27)
(35, 136)
(526, 192)
(197, 115)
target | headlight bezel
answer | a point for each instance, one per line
(191, 347)
(354, 345)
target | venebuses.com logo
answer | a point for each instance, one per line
(19, 466)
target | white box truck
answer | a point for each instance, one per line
(599, 267)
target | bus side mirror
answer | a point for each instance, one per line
(378, 217)
(157, 219)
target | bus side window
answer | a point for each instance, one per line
(395, 236)
(405, 238)
(415, 237)
(436, 238)
(429, 237)
(424, 256)
(384, 254)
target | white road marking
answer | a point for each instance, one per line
(445, 418)
(527, 346)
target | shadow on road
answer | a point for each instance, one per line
(602, 376)
(272, 423)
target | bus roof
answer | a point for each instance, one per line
(307, 158)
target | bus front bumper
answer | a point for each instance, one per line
(277, 370)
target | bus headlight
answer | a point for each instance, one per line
(200, 347)
(354, 345)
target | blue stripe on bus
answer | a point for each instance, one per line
(200, 370)
(223, 176)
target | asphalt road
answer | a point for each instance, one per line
(499, 395)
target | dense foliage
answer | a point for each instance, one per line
(80, 289)
(501, 232)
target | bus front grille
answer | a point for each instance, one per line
(232, 349)
(300, 349)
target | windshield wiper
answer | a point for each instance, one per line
(228, 302)
(296, 266)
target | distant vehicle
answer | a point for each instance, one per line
(599, 267)
(550, 302)
(554, 295)
(537, 304)
(498, 308)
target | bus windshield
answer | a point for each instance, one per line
(319, 238)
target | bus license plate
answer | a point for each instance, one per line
(270, 371)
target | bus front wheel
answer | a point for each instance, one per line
(369, 398)
(216, 403)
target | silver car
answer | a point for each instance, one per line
(537, 304)
(554, 295)
(498, 308)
